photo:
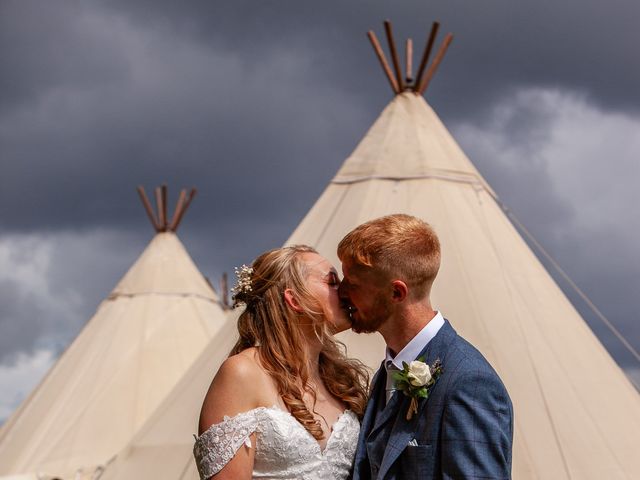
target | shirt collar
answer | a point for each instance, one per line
(412, 349)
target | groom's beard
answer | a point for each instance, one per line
(378, 314)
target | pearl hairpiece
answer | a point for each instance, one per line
(243, 284)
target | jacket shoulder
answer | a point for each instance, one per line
(467, 361)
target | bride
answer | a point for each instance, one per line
(286, 402)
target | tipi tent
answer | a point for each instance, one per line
(131, 353)
(576, 414)
(163, 447)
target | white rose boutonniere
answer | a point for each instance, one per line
(415, 380)
(419, 373)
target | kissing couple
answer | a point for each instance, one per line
(288, 403)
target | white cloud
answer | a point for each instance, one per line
(569, 171)
(50, 285)
(588, 155)
(17, 380)
(25, 261)
(592, 160)
(564, 164)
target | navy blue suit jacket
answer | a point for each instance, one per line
(463, 430)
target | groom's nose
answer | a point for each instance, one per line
(342, 290)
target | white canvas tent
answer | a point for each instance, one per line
(576, 414)
(131, 353)
(163, 447)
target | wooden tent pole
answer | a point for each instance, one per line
(409, 61)
(148, 208)
(434, 65)
(178, 219)
(176, 212)
(394, 54)
(425, 55)
(161, 219)
(164, 207)
(383, 61)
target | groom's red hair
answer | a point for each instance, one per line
(396, 246)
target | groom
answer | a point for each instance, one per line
(464, 429)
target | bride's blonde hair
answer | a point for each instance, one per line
(268, 322)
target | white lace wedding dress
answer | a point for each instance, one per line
(284, 448)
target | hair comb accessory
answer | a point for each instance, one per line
(243, 285)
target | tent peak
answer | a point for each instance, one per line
(408, 82)
(161, 222)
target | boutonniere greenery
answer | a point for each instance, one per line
(415, 380)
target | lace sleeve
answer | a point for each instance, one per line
(215, 447)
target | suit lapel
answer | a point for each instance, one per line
(404, 430)
(386, 411)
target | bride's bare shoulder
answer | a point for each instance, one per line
(243, 365)
(238, 386)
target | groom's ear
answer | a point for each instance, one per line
(399, 291)
(292, 300)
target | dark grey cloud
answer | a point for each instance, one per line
(181, 113)
(498, 44)
(46, 45)
(145, 92)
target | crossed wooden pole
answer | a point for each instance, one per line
(398, 82)
(161, 222)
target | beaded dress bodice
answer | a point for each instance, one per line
(284, 448)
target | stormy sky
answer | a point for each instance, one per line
(258, 103)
